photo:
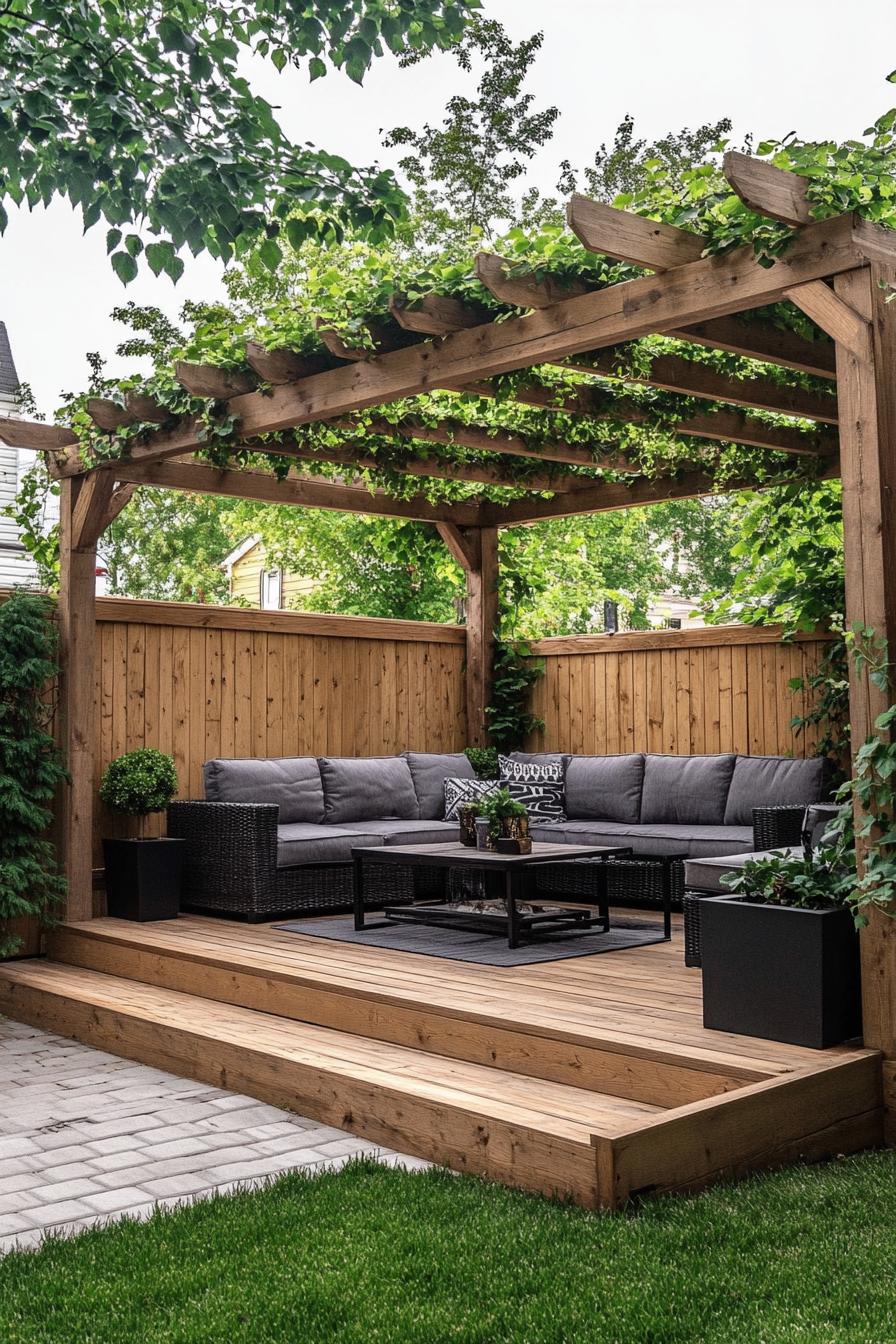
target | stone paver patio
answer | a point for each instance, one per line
(86, 1136)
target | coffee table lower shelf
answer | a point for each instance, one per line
(561, 921)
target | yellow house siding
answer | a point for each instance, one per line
(245, 581)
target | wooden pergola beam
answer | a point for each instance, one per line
(633, 238)
(207, 380)
(455, 432)
(608, 496)
(283, 366)
(520, 289)
(438, 468)
(37, 437)
(768, 190)
(435, 314)
(673, 373)
(108, 415)
(305, 492)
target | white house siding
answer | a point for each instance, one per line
(16, 566)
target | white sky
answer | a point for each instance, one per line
(774, 67)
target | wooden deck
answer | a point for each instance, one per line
(591, 1078)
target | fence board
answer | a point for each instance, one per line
(678, 691)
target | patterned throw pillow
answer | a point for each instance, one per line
(543, 801)
(460, 791)
(530, 772)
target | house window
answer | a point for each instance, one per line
(271, 589)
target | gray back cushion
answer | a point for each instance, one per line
(365, 789)
(605, 787)
(690, 790)
(429, 770)
(773, 781)
(292, 782)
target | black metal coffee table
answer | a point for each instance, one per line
(509, 876)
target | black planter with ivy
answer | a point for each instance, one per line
(143, 874)
(781, 954)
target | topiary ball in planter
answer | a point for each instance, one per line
(143, 876)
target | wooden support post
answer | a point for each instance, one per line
(866, 381)
(77, 637)
(476, 551)
(482, 619)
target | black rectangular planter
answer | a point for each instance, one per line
(143, 877)
(780, 973)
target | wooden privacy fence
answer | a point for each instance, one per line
(201, 681)
(724, 688)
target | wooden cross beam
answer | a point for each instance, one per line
(199, 478)
(608, 496)
(439, 468)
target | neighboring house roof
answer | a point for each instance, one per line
(243, 549)
(9, 379)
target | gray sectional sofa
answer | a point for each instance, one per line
(275, 836)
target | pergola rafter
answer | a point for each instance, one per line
(838, 271)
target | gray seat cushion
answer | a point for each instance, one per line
(300, 842)
(705, 874)
(664, 838)
(365, 789)
(608, 787)
(772, 781)
(396, 832)
(687, 789)
(292, 782)
(429, 772)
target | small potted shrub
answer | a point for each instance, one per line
(142, 874)
(781, 954)
(508, 822)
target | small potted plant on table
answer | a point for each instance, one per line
(508, 829)
(781, 954)
(142, 874)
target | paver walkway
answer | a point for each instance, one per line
(85, 1136)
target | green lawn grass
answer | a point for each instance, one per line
(370, 1254)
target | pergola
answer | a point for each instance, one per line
(840, 272)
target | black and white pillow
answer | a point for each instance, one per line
(530, 772)
(543, 801)
(460, 791)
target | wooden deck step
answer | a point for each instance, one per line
(620, 1026)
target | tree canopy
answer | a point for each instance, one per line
(140, 115)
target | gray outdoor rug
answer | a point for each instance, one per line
(482, 948)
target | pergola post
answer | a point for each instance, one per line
(476, 551)
(866, 382)
(77, 640)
